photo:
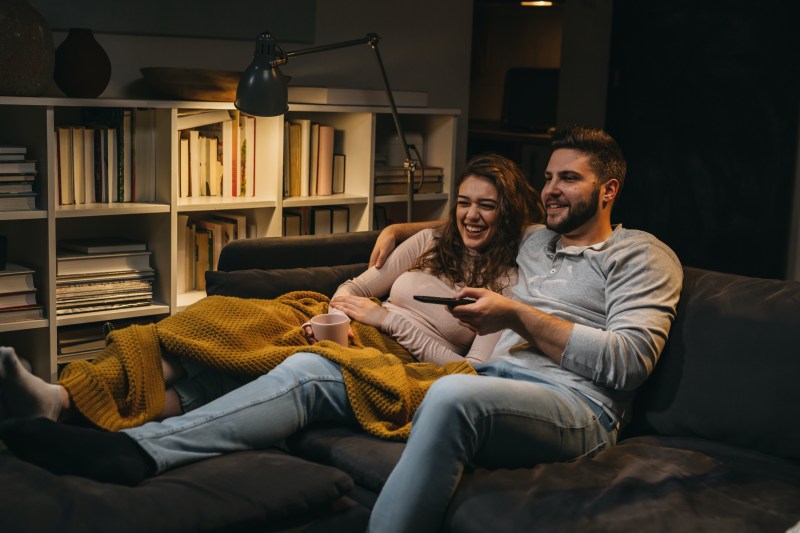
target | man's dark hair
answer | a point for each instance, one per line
(605, 155)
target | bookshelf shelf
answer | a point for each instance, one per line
(361, 134)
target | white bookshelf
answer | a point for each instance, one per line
(33, 235)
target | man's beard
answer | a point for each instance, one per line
(578, 215)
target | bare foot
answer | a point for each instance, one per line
(24, 394)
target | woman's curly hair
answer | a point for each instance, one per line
(518, 206)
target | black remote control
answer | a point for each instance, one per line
(450, 302)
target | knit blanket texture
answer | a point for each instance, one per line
(124, 385)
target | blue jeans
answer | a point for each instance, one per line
(303, 389)
(508, 416)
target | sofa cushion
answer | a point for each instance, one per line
(729, 371)
(643, 484)
(267, 284)
(246, 491)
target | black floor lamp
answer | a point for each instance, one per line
(262, 89)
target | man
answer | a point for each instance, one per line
(587, 322)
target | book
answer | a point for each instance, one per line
(16, 278)
(188, 119)
(74, 263)
(17, 167)
(15, 186)
(295, 159)
(19, 314)
(76, 160)
(346, 96)
(325, 164)
(194, 163)
(292, 224)
(219, 238)
(246, 185)
(314, 159)
(143, 155)
(340, 219)
(104, 276)
(12, 150)
(100, 165)
(226, 145)
(321, 220)
(12, 157)
(183, 222)
(17, 299)
(102, 245)
(184, 168)
(305, 156)
(204, 253)
(17, 177)
(338, 173)
(66, 189)
(20, 201)
(111, 153)
(102, 307)
(88, 165)
(239, 222)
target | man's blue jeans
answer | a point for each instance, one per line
(507, 416)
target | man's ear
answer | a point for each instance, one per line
(609, 191)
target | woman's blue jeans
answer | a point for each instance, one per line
(305, 388)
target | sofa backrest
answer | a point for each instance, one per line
(270, 266)
(731, 369)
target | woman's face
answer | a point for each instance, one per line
(476, 212)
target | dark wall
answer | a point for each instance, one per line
(703, 98)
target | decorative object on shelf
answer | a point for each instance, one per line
(263, 91)
(82, 67)
(26, 50)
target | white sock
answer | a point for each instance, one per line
(24, 394)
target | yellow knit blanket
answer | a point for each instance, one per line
(124, 387)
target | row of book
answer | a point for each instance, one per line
(393, 180)
(311, 164)
(17, 179)
(317, 220)
(96, 274)
(110, 158)
(217, 153)
(201, 241)
(85, 341)
(18, 295)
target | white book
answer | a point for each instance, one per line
(99, 245)
(16, 278)
(143, 156)
(4, 149)
(305, 155)
(194, 163)
(314, 166)
(66, 190)
(17, 167)
(213, 174)
(196, 119)
(127, 162)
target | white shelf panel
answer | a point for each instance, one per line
(334, 199)
(112, 314)
(95, 210)
(206, 203)
(188, 298)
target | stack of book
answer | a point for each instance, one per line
(102, 274)
(17, 176)
(18, 295)
(109, 159)
(393, 180)
(85, 341)
(311, 164)
(200, 244)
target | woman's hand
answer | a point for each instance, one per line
(360, 308)
(384, 246)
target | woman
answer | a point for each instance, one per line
(476, 247)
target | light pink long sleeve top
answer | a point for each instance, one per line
(428, 331)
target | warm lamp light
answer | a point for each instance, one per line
(262, 89)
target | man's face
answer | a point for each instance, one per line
(571, 193)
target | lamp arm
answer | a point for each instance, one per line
(371, 39)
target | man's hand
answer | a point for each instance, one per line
(384, 246)
(491, 311)
(393, 235)
(361, 309)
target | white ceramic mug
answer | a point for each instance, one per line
(331, 327)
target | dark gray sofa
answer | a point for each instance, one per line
(714, 445)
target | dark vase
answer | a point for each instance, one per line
(82, 68)
(26, 50)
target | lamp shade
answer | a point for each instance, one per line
(262, 88)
